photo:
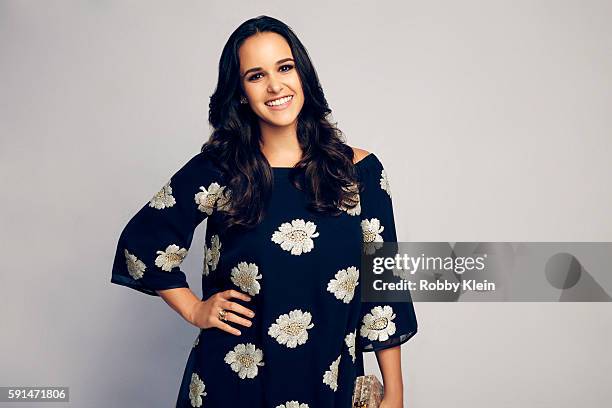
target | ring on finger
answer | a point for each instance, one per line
(222, 314)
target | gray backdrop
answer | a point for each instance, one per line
(491, 117)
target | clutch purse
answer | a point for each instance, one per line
(368, 392)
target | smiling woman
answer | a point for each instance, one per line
(288, 207)
(273, 91)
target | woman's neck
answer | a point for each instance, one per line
(280, 146)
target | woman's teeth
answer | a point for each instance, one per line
(279, 101)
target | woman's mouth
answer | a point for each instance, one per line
(280, 104)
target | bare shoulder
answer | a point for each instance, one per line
(359, 154)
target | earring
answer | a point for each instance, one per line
(243, 100)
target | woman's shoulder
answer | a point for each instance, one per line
(201, 164)
(359, 154)
(205, 160)
(364, 160)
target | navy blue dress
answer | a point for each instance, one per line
(304, 349)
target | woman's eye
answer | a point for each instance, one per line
(254, 76)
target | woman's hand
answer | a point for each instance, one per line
(205, 314)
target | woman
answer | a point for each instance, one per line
(288, 206)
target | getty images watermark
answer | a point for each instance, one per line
(486, 271)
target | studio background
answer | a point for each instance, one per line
(492, 119)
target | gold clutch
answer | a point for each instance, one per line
(368, 392)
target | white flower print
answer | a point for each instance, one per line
(371, 230)
(207, 198)
(211, 255)
(357, 209)
(244, 359)
(170, 258)
(196, 390)
(350, 343)
(215, 251)
(163, 198)
(331, 376)
(207, 260)
(402, 274)
(344, 283)
(296, 236)
(292, 404)
(223, 202)
(384, 182)
(291, 329)
(135, 266)
(197, 340)
(378, 324)
(245, 276)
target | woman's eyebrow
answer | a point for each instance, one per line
(260, 68)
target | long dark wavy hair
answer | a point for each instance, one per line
(325, 172)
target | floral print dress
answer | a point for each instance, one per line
(304, 349)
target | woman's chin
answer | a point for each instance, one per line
(280, 122)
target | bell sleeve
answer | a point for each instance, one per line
(156, 239)
(382, 324)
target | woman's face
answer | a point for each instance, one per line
(267, 73)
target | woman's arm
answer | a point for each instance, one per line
(155, 241)
(390, 363)
(378, 225)
(182, 300)
(204, 314)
